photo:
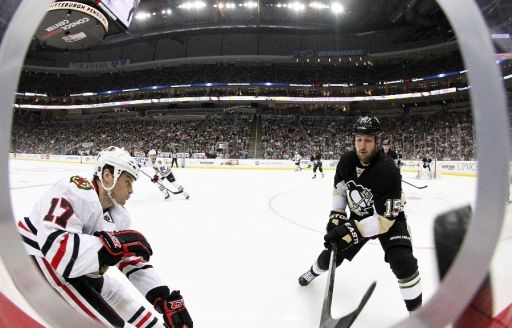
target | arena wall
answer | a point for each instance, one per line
(452, 168)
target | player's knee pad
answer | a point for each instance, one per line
(402, 262)
(114, 292)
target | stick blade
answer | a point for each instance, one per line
(413, 185)
(326, 319)
(348, 320)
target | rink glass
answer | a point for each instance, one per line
(490, 117)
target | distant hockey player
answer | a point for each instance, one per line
(174, 156)
(316, 159)
(425, 162)
(297, 158)
(424, 169)
(163, 172)
(79, 229)
(386, 149)
(399, 162)
(369, 184)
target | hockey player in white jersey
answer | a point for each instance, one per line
(297, 158)
(163, 172)
(79, 229)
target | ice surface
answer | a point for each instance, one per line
(236, 248)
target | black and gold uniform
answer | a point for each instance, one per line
(372, 192)
(316, 159)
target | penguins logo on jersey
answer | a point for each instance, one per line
(81, 183)
(360, 199)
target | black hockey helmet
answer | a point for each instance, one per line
(367, 125)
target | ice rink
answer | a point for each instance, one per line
(236, 248)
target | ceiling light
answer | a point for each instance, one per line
(318, 5)
(192, 5)
(251, 4)
(297, 6)
(337, 8)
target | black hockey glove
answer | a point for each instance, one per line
(344, 235)
(155, 178)
(335, 219)
(174, 310)
(120, 244)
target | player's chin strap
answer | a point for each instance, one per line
(109, 190)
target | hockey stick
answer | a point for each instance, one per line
(169, 190)
(410, 184)
(326, 319)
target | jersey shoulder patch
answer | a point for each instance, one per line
(81, 183)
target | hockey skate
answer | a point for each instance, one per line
(314, 177)
(168, 196)
(307, 277)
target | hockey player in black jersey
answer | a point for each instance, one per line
(386, 149)
(369, 183)
(316, 159)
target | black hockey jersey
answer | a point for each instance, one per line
(316, 159)
(391, 153)
(371, 192)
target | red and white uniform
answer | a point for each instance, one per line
(59, 234)
(160, 166)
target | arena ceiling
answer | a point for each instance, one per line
(418, 19)
(408, 20)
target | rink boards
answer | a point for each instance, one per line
(453, 168)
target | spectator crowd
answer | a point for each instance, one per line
(445, 136)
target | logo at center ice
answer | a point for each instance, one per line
(360, 199)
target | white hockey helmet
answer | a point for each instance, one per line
(120, 160)
(152, 152)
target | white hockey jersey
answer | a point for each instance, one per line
(61, 227)
(160, 166)
(297, 158)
